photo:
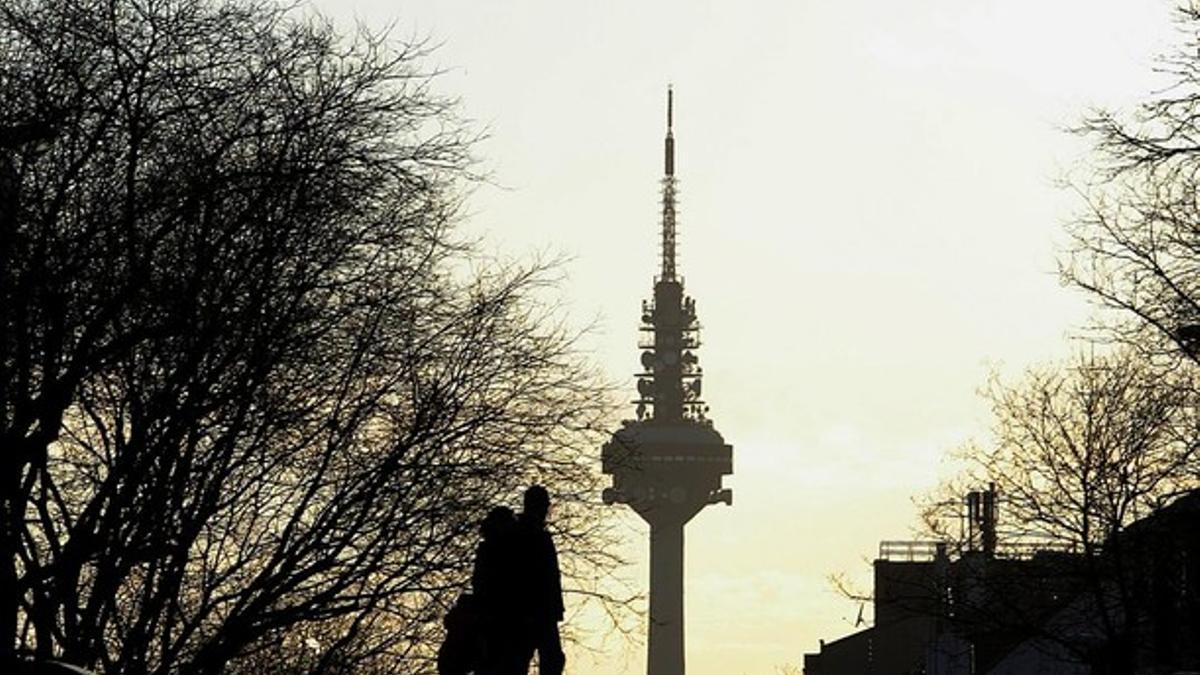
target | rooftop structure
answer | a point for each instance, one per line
(991, 607)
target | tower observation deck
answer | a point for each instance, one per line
(668, 463)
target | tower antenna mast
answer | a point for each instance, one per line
(668, 194)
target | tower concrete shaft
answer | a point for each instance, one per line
(665, 655)
(668, 463)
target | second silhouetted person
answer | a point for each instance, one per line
(540, 583)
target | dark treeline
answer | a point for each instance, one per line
(256, 393)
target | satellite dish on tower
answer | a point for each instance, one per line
(646, 387)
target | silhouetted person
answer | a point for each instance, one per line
(461, 650)
(496, 589)
(540, 586)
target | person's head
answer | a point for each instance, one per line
(498, 521)
(537, 503)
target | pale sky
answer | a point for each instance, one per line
(868, 224)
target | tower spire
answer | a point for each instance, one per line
(668, 194)
(670, 143)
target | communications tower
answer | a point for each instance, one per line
(667, 464)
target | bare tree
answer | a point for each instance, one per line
(1078, 453)
(1136, 248)
(253, 404)
(1080, 450)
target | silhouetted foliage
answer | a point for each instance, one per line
(1078, 453)
(1136, 249)
(1082, 449)
(256, 394)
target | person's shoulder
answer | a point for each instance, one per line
(543, 540)
(532, 533)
